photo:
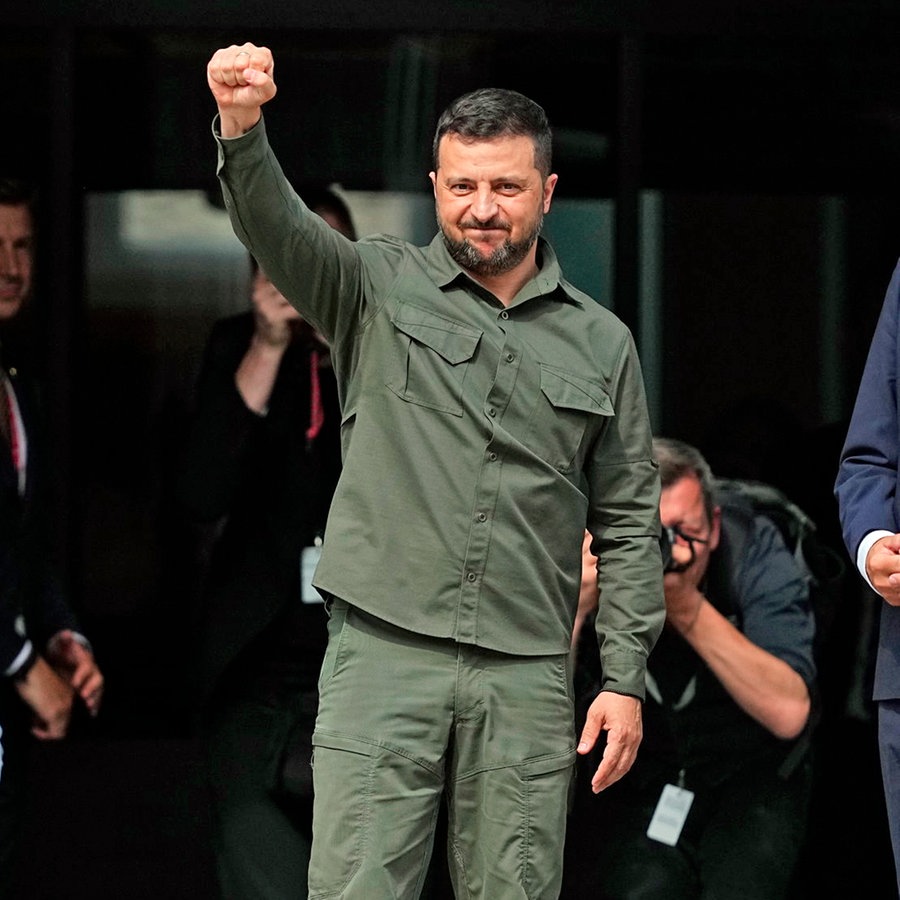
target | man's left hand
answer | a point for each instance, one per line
(620, 716)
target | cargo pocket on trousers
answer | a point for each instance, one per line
(545, 799)
(343, 777)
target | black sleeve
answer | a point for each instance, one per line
(220, 427)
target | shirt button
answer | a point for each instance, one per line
(481, 517)
(492, 412)
(510, 357)
(471, 576)
(492, 457)
(504, 314)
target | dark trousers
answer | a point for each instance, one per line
(741, 839)
(14, 769)
(889, 749)
(258, 753)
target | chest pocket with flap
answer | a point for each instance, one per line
(568, 406)
(432, 358)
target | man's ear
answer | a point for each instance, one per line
(549, 185)
(715, 529)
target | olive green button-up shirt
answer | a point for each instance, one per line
(478, 440)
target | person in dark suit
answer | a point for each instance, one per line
(867, 488)
(45, 660)
(262, 461)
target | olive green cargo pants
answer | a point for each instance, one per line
(401, 717)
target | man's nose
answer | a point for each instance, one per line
(484, 204)
(9, 261)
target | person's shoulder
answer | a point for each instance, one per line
(738, 515)
(389, 242)
(603, 328)
(229, 336)
(592, 307)
(740, 511)
(752, 539)
(380, 249)
(893, 290)
(890, 306)
(749, 540)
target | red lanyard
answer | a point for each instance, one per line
(316, 412)
(10, 411)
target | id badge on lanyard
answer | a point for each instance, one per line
(309, 559)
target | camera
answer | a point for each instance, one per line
(667, 537)
(666, 540)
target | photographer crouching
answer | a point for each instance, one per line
(716, 803)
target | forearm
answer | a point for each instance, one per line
(255, 377)
(630, 613)
(763, 685)
(625, 524)
(315, 268)
(234, 123)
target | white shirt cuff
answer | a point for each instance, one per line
(21, 659)
(865, 545)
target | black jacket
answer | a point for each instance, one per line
(33, 604)
(267, 489)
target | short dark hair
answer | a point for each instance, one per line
(17, 192)
(497, 112)
(678, 460)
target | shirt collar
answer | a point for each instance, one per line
(444, 271)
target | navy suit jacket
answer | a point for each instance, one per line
(869, 475)
(31, 594)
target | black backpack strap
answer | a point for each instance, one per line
(740, 511)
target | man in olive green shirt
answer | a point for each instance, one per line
(491, 412)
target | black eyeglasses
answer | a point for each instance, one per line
(667, 539)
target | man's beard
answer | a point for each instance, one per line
(505, 258)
